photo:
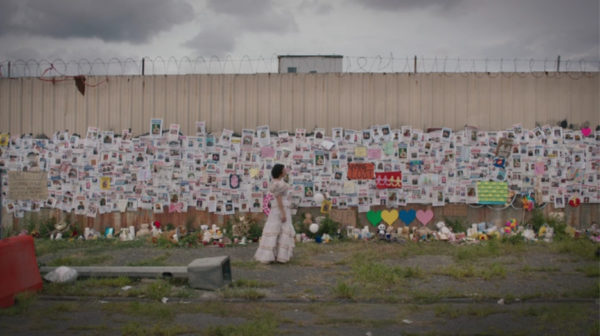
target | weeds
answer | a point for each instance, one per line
(136, 328)
(344, 291)
(80, 260)
(580, 247)
(242, 293)
(262, 327)
(454, 311)
(251, 283)
(592, 271)
(158, 289)
(23, 302)
(152, 310)
(495, 270)
(156, 261)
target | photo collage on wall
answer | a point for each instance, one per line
(223, 173)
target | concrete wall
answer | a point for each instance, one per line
(289, 101)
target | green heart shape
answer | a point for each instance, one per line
(374, 217)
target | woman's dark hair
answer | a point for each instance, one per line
(277, 170)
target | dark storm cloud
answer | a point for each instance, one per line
(133, 21)
(539, 28)
(235, 19)
(213, 41)
(393, 5)
(255, 15)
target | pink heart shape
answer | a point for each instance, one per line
(424, 216)
(586, 131)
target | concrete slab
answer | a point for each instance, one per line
(209, 273)
(203, 273)
(129, 271)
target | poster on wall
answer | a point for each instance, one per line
(156, 127)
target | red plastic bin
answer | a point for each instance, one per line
(19, 271)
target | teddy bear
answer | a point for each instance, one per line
(307, 220)
(143, 231)
(59, 229)
(381, 231)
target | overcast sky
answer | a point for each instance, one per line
(75, 29)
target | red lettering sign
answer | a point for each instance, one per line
(361, 171)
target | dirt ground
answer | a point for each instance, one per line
(343, 288)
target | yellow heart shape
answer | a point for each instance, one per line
(389, 216)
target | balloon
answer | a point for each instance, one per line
(314, 227)
(318, 198)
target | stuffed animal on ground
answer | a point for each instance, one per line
(156, 230)
(422, 233)
(143, 231)
(124, 234)
(174, 235)
(381, 231)
(59, 229)
(444, 233)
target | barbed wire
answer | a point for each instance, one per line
(247, 65)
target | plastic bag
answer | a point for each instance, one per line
(62, 274)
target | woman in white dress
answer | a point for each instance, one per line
(277, 240)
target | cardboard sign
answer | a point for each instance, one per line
(388, 180)
(343, 216)
(361, 171)
(27, 185)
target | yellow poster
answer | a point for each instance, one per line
(360, 151)
(4, 139)
(105, 183)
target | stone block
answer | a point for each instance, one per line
(209, 273)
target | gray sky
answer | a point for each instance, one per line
(75, 29)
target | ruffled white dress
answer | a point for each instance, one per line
(277, 240)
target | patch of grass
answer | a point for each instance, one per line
(80, 260)
(548, 269)
(446, 311)
(580, 247)
(156, 261)
(151, 310)
(592, 271)
(242, 293)
(251, 283)
(46, 246)
(89, 287)
(62, 307)
(158, 289)
(563, 318)
(23, 302)
(262, 327)
(588, 292)
(344, 321)
(136, 328)
(109, 282)
(99, 329)
(420, 296)
(366, 270)
(184, 292)
(343, 290)
(245, 264)
(496, 270)
(247, 310)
